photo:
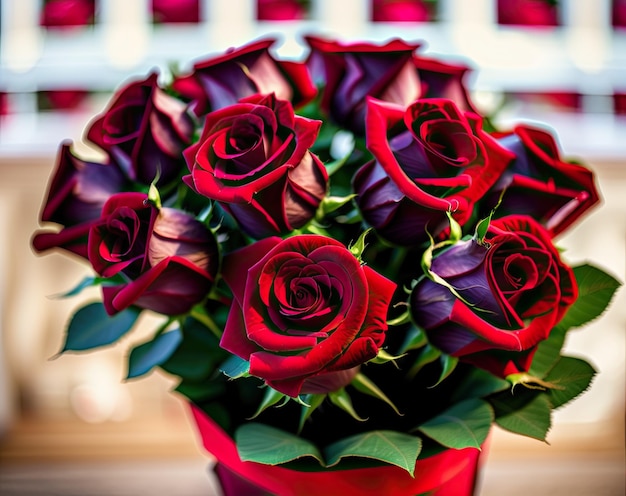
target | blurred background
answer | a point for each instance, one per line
(71, 422)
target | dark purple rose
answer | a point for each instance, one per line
(304, 309)
(145, 130)
(539, 183)
(225, 79)
(511, 290)
(169, 259)
(76, 193)
(429, 159)
(253, 157)
(349, 73)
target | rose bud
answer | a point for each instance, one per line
(392, 72)
(76, 193)
(225, 79)
(145, 130)
(304, 307)
(169, 259)
(538, 183)
(511, 290)
(253, 157)
(429, 159)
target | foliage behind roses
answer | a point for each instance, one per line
(340, 285)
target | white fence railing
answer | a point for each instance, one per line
(584, 55)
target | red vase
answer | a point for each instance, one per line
(449, 473)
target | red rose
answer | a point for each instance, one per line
(514, 289)
(401, 11)
(169, 259)
(539, 183)
(280, 10)
(145, 130)
(303, 307)
(253, 157)
(528, 12)
(67, 13)
(77, 191)
(223, 80)
(392, 72)
(174, 11)
(429, 159)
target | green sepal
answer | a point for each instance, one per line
(268, 445)
(384, 357)
(311, 402)
(448, 364)
(415, 339)
(391, 447)
(364, 385)
(403, 318)
(146, 356)
(465, 425)
(153, 193)
(531, 382)
(270, 399)
(428, 354)
(456, 232)
(483, 225)
(331, 203)
(91, 327)
(342, 399)
(572, 377)
(358, 247)
(235, 367)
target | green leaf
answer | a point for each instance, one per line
(271, 398)
(235, 367)
(395, 448)
(572, 376)
(342, 399)
(198, 353)
(91, 327)
(547, 353)
(479, 383)
(261, 443)
(524, 412)
(595, 291)
(146, 356)
(364, 385)
(465, 425)
(84, 284)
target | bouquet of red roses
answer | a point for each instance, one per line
(356, 272)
